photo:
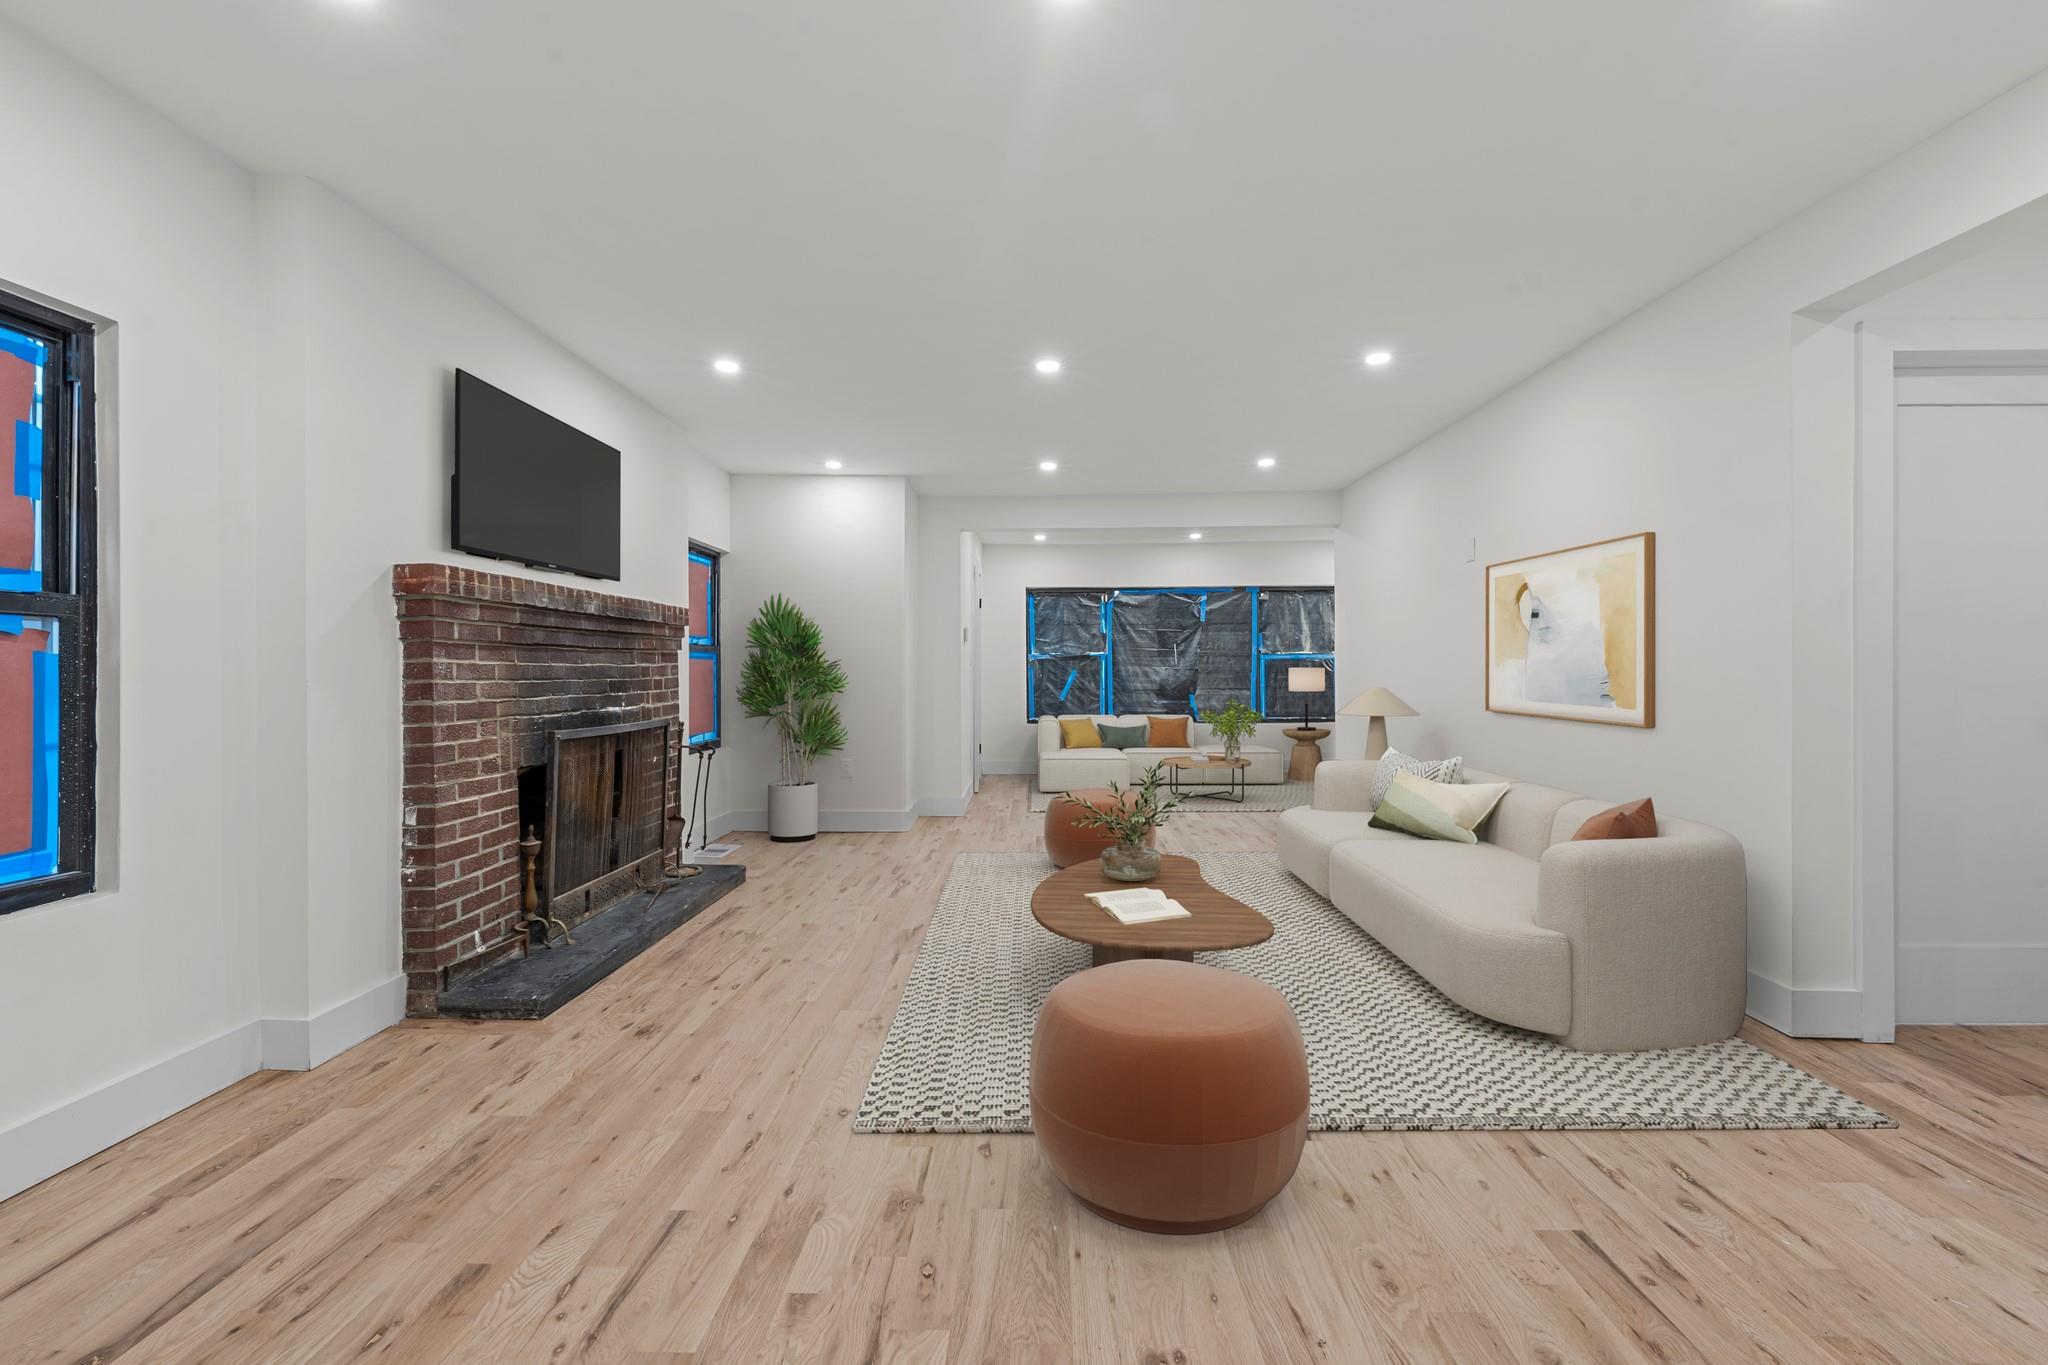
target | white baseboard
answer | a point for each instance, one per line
(302, 1044)
(1973, 983)
(836, 821)
(1008, 767)
(1805, 1013)
(36, 1149)
(944, 807)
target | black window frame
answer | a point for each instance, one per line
(70, 591)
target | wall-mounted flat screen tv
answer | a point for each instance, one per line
(530, 487)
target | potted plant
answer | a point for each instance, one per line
(1130, 816)
(1234, 724)
(788, 682)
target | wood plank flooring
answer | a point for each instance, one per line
(664, 1173)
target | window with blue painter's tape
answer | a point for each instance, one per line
(705, 665)
(1177, 651)
(48, 605)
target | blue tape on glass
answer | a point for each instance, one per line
(28, 459)
(1072, 674)
(11, 625)
(43, 814)
(15, 344)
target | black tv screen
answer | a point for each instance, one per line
(530, 487)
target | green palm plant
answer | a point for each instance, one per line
(788, 682)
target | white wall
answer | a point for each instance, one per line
(275, 436)
(840, 548)
(155, 232)
(1721, 417)
(1009, 739)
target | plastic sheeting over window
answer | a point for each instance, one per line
(1295, 622)
(1175, 651)
(1154, 661)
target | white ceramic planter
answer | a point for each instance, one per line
(793, 813)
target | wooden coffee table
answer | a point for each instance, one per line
(1214, 921)
(1233, 788)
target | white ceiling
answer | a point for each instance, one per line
(1210, 208)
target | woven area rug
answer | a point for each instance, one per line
(1265, 800)
(1386, 1050)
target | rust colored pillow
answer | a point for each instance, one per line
(1636, 820)
(1166, 732)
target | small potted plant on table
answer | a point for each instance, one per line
(1234, 724)
(1128, 816)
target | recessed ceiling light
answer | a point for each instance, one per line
(1048, 466)
(726, 366)
(1039, 536)
(835, 464)
(1049, 365)
(1194, 535)
(1267, 462)
(1375, 359)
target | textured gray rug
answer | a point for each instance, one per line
(1386, 1050)
(1266, 800)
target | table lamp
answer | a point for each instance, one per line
(1379, 704)
(1304, 682)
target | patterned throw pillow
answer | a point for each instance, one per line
(1435, 769)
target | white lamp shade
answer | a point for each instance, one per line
(1378, 702)
(1306, 679)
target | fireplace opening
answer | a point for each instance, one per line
(605, 807)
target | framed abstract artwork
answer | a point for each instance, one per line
(1573, 634)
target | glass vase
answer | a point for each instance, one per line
(1130, 863)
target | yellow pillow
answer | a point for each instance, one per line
(1079, 732)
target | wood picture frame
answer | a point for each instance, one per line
(1572, 634)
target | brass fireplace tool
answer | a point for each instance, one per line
(529, 855)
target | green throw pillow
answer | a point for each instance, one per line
(1412, 813)
(1122, 736)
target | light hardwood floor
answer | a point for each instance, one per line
(665, 1172)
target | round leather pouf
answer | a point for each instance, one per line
(1169, 1097)
(1067, 842)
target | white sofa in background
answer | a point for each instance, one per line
(1062, 769)
(1610, 944)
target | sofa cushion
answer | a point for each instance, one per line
(1636, 820)
(1307, 837)
(1168, 732)
(1394, 762)
(1465, 918)
(1121, 736)
(1079, 732)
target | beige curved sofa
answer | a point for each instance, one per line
(1610, 944)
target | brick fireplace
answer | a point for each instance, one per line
(494, 665)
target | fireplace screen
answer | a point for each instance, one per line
(607, 806)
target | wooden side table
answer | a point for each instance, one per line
(1308, 751)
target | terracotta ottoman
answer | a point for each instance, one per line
(1067, 842)
(1169, 1097)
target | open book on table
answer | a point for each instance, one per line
(1139, 905)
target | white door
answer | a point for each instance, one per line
(1972, 774)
